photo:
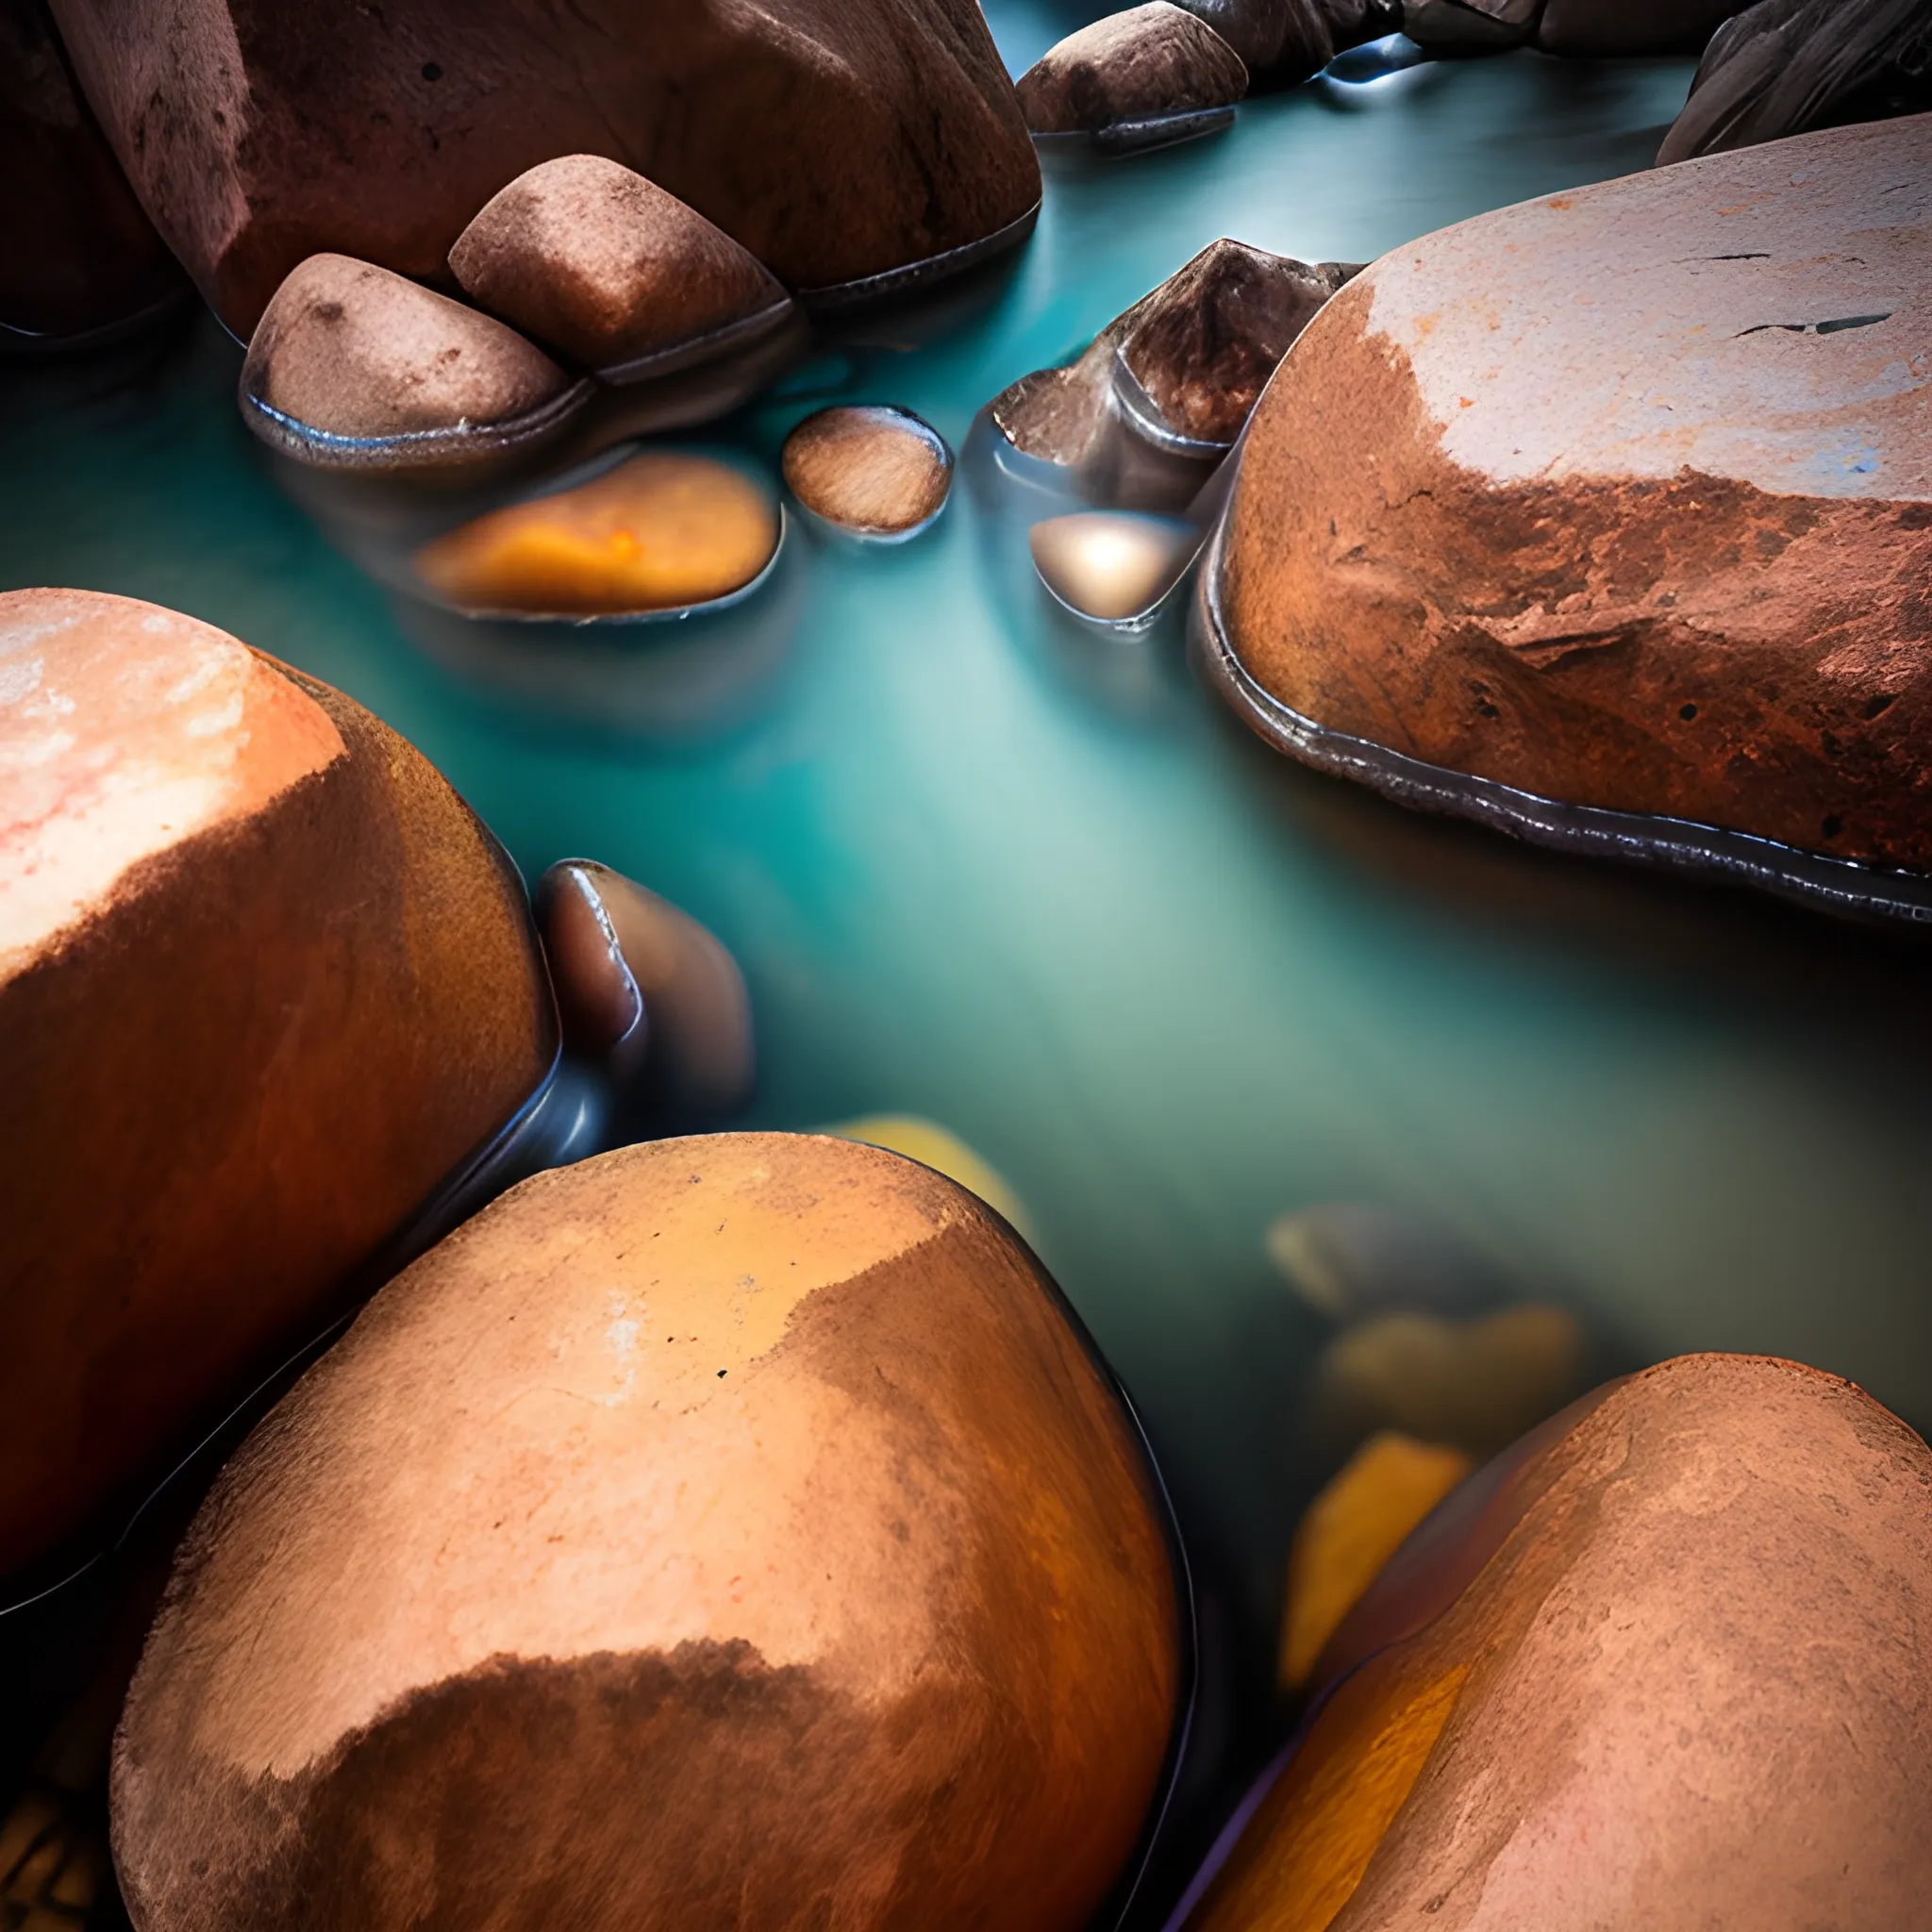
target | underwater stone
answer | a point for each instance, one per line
(836, 141)
(593, 260)
(720, 1531)
(1147, 62)
(1673, 1683)
(348, 351)
(1640, 524)
(1597, 29)
(662, 531)
(264, 983)
(875, 471)
(1783, 66)
(1351, 1530)
(1111, 565)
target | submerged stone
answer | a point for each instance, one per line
(875, 471)
(597, 262)
(1783, 66)
(352, 366)
(735, 1525)
(1114, 566)
(662, 531)
(1142, 65)
(1635, 523)
(1351, 1260)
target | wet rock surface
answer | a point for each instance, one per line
(662, 531)
(1283, 41)
(595, 261)
(354, 353)
(835, 142)
(1657, 548)
(875, 471)
(1145, 64)
(1784, 66)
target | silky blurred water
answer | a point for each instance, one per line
(982, 866)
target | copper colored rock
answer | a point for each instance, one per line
(875, 471)
(264, 982)
(591, 258)
(727, 1531)
(1595, 30)
(1620, 498)
(835, 142)
(1685, 1687)
(1149, 61)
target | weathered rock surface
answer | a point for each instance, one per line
(833, 140)
(1686, 1687)
(1784, 66)
(1283, 41)
(1594, 29)
(349, 354)
(264, 982)
(80, 255)
(1140, 65)
(1620, 498)
(872, 470)
(720, 1531)
(593, 260)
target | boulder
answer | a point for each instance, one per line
(1598, 29)
(834, 141)
(605, 266)
(1612, 512)
(1469, 26)
(1145, 64)
(875, 471)
(1662, 1669)
(264, 984)
(1787, 65)
(729, 1531)
(1283, 41)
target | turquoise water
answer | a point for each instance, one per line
(982, 866)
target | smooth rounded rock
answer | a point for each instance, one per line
(264, 983)
(1285, 42)
(1469, 26)
(355, 366)
(662, 531)
(1112, 566)
(727, 1531)
(1140, 65)
(875, 471)
(1617, 499)
(1677, 1683)
(942, 1150)
(1599, 29)
(591, 258)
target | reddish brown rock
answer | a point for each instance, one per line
(264, 982)
(1620, 498)
(1469, 26)
(872, 470)
(727, 1531)
(1596, 29)
(80, 255)
(1145, 64)
(1678, 1680)
(1283, 41)
(604, 265)
(835, 142)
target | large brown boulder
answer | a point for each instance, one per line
(1665, 1668)
(1618, 499)
(834, 139)
(722, 1532)
(264, 982)
(1146, 63)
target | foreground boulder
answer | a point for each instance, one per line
(1617, 500)
(1150, 64)
(264, 983)
(1661, 1667)
(835, 142)
(721, 1532)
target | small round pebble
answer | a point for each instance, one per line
(1111, 565)
(664, 531)
(877, 471)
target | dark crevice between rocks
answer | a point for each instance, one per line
(1815, 328)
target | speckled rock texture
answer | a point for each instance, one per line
(834, 139)
(721, 1532)
(264, 982)
(1624, 498)
(1138, 65)
(1686, 1686)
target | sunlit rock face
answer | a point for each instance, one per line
(1144, 64)
(874, 471)
(835, 140)
(264, 982)
(1662, 1669)
(593, 260)
(720, 1531)
(1620, 498)
(662, 531)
